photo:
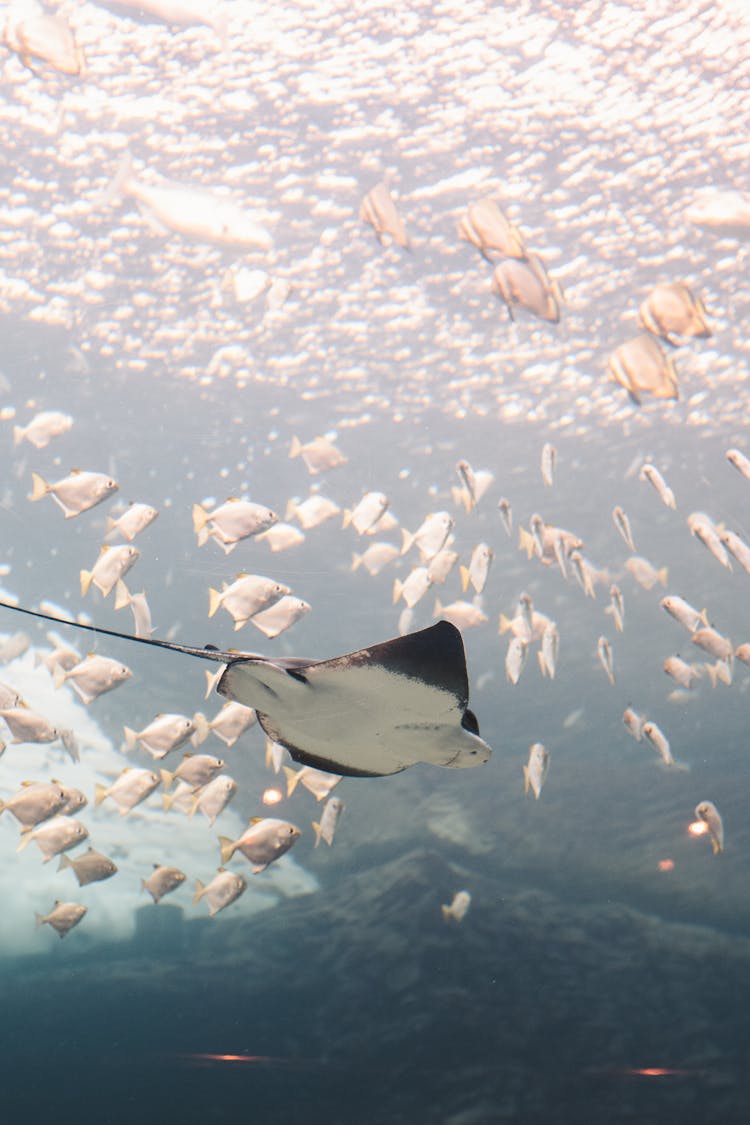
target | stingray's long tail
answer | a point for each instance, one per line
(207, 653)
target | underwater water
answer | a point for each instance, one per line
(600, 969)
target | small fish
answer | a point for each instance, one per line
(224, 889)
(412, 589)
(232, 522)
(232, 721)
(473, 484)
(13, 646)
(604, 652)
(458, 907)
(644, 573)
(709, 814)
(376, 557)
(719, 672)
(441, 565)
(737, 547)
(214, 797)
(712, 642)
(549, 462)
(248, 595)
(535, 771)
(478, 569)
(683, 613)
(196, 769)
(672, 309)
(35, 34)
(43, 428)
(279, 617)
(379, 209)
(162, 881)
(139, 607)
(62, 917)
(55, 836)
(318, 782)
(35, 802)
(367, 512)
(128, 790)
(506, 514)
(282, 537)
(686, 675)
(91, 867)
(515, 658)
(75, 493)
(93, 676)
(549, 651)
(462, 614)
(485, 225)
(524, 282)
(741, 463)
(704, 529)
(617, 607)
(135, 519)
(653, 734)
(166, 733)
(622, 523)
(313, 511)
(641, 366)
(651, 474)
(633, 723)
(27, 726)
(430, 537)
(264, 840)
(325, 829)
(742, 652)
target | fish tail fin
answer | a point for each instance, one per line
(437, 608)
(40, 919)
(542, 663)
(716, 845)
(64, 862)
(465, 577)
(19, 434)
(200, 518)
(214, 601)
(120, 179)
(397, 589)
(525, 779)
(356, 561)
(86, 576)
(39, 487)
(59, 676)
(406, 540)
(199, 891)
(202, 728)
(168, 799)
(347, 518)
(212, 678)
(446, 911)
(227, 848)
(166, 779)
(100, 792)
(23, 843)
(663, 575)
(122, 594)
(505, 622)
(296, 447)
(526, 542)
(316, 830)
(292, 778)
(131, 740)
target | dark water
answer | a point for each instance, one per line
(586, 983)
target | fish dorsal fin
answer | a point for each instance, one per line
(221, 870)
(255, 820)
(25, 783)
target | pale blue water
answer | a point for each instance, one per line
(581, 965)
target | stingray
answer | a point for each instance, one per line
(369, 713)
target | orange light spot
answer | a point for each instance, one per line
(654, 1071)
(272, 796)
(698, 828)
(666, 865)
